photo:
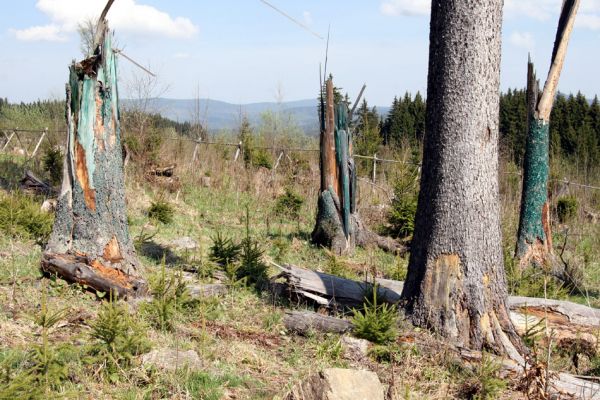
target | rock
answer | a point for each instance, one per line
(205, 181)
(48, 206)
(185, 243)
(355, 348)
(339, 384)
(170, 359)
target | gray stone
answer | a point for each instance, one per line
(171, 359)
(185, 243)
(354, 347)
(339, 384)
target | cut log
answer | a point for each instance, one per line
(303, 322)
(93, 274)
(32, 184)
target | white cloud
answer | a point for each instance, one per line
(405, 7)
(543, 10)
(125, 15)
(181, 56)
(51, 33)
(307, 17)
(588, 21)
(522, 39)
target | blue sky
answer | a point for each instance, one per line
(243, 51)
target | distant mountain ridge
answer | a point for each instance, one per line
(218, 115)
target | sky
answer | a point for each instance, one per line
(243, 51)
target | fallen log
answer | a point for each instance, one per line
(93, 274)
(570, 322)
(303, 322)
(162, 171)
(32, 184)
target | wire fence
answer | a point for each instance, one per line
(14, 135)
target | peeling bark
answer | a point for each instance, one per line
(534, 242)
(338, 225)
(456, 284)
(91, 219)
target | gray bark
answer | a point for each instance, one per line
(91, 218)
(456, 284)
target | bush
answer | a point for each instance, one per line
(53, 164)
(289, 204)
(483, 383)
(375, 322)
(119, 337)
(566, 208)
(161, 211)
(169, 296)
(223, 250)
(404, 207)
(21, 217)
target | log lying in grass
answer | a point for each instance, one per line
(93, 274)
(330, 290)
(570, 321)
(33, 184)
(303, 322)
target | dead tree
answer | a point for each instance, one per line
(338, 226)
(90, 242)
(534, 240)
(456, 285)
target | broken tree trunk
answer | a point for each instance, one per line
(90, 241)
(534, 239)
(305, 322)
(338, 225)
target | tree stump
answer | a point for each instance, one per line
(90, 241)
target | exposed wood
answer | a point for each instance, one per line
(162, 171)
(37, 146)
(93, 274)
(569, 321)
(304, 322)
(329, 174)
(8, 139)
(563, 34)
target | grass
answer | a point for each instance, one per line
(240, 337)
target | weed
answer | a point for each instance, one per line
(161, 211)
(335, 265)
(330, 348)
(272, 320)
(375, 322)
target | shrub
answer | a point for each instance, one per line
(169, 296)
(483, 383)
(223, 250)
(53, 164)
(119, 337)
(566, 208)
(252, 268)
(261, 158)
(289, 204)
(21, 217)
(404, 207)
(161, 211)
(375, 322)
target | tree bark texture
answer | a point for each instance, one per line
(534, 238)
(91, 219)
(456, 283)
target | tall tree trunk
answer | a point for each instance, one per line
(456, 283)
(534, 239)
(90, 242)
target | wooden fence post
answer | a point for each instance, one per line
(238, 151)
(374, 167)
(9, 138)
(37, 146)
